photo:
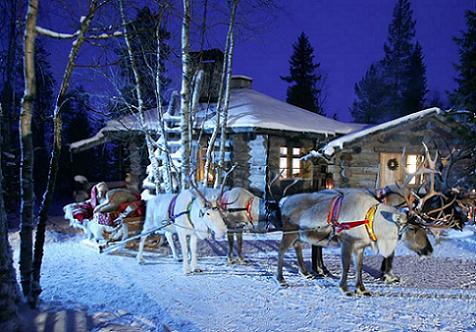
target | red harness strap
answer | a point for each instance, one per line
(333, 216)
(350, 224)
(249, 206)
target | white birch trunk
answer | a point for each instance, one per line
(185, 96)
(55, 154)
(218, 109)
(224, 113)
(26, 147)
(140, 104)
(162, 142)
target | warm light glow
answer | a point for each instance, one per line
(329, 182)
(296, 166)
(412, 164)
(283, 166)
(289, 162)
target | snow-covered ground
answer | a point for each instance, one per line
(114, 293)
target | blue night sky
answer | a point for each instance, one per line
(347, 36)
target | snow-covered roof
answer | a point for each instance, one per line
(248, 109)
(252, 109)
(330, 148)
(127, 123)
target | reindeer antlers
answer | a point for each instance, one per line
(222, 188)
(195, 187)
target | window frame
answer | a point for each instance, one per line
(290, 155)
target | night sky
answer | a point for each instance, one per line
(347, 36)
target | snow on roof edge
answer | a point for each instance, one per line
(331, 148)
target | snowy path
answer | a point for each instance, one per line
(438, 293)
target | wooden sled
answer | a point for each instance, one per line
(134, 225)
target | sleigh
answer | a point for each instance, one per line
(119, 216)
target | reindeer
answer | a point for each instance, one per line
(362, 222)
(189, 214)
(432, 210)
(160, 211)
(241, 209)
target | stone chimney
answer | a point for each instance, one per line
(241, 82)
(211, 61)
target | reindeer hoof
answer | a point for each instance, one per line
(230, 261)
(241, 260)
(307, 275)
(362, 292)
(178, 259)
(318, 275)
(197, 270)
(390, 279)
(281, 282)
(346, 291)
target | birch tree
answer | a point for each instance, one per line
(9, 296)
(79, 38)
(224, 112)
(162, 142)
(140, 102)
(26, 149)
(186, 127)
(223, 100)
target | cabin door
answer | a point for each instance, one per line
(390, 170)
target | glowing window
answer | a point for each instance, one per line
(290, 165)
(413, 161)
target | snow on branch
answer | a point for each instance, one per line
(54, 34)
(62, 35)
(314, 154)
(105, 35)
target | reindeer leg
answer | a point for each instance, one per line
(359, 263)
(286, 242)
(239, 242)
(194, 253)
(140, 253)
(170, 241)
(125, 233)
(321, 265)
(387, 273)
(318, 267)
(346, 256)
(184, 246)
(230, 237)
(300, 259)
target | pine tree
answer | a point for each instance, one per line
(304, 77)
(41, 128)
(144, 49)
(398, 53)
(9, 292)
(416, 88)
(371, 97)
(464, 95)
(76, 126)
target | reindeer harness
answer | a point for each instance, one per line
(333, 217)
(249, 205)
(173, 216)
